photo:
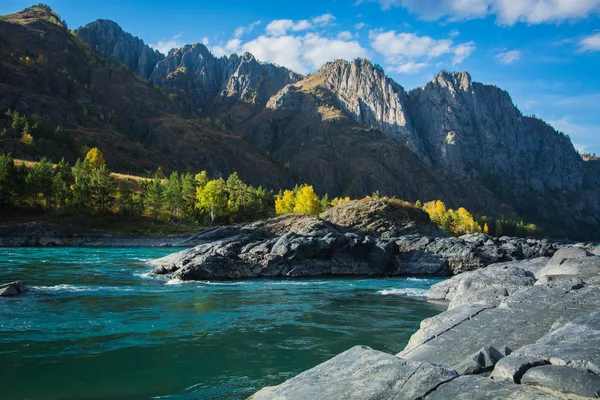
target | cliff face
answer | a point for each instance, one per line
(213, 84)
(372, 99)
(475, 130)
(113, 43)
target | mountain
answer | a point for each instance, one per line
(114, 44)
(48, 73)
(347, 129)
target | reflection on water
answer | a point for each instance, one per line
(96, 326)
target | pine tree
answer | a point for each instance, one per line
(188, 194)
(60, 188)
(80, 189)
(8, 181)
(173, 196)
(39, 182)
(102, 186)
(325, 204)
(153, 196)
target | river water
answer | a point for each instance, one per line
(96, 325)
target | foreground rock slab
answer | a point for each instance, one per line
(12, 289)
(361, 373)
(481, 388)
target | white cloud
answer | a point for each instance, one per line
(590, 43)
(359, 26)
(205, 40)
(232, 46)
(507, 12)
(165, 45)
(410, 67)
(282, 50)
(454, 33)
(509, 56)
(345, 35)
(242, 30)
(407, 52)
(281, 27)
(462, 52)
(582, 148)
(303, 53)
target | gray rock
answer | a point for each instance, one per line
(113, 43)
(522, 318)
(488, 285)
(575, 344)
(480, 388)
(361, 373)
(12, 288)
(572, 261)
(563, 379)
(512, 368)
(596, 251)
(483, 360)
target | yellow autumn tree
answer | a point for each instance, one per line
(95, 157)
(285, 204)
(339, 200)
(307, 201)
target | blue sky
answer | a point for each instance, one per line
(545, 53)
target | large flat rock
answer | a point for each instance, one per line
(564, 379)
(484, 286)
(479, 388)
(527, 315)
(575, 344)
(361, 373)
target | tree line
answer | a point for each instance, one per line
(89, 187)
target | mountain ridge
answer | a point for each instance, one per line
(347, 129)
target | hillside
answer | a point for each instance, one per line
(347, 129)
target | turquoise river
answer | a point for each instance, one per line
(97, 325)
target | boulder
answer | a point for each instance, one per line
(512, 368)
(361, 373)
(485, 286)
(575, 344)
(12, 288)
(521, 319)
(572, 261)
(479, 388)
(563, 379)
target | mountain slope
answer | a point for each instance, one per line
(48, 73)
(306, 128)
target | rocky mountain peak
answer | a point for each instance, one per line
(453, 80)
(372, 99)
(108, 38)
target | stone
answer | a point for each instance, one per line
(472, 387)
(361, 373)
(521, 319)
(483, 360)
(512, 368)
(488, 285)
(575, 344)
(12, 288)
(572, 261)
(564, 379)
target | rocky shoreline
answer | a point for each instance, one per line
(43, 234)
(525, 329)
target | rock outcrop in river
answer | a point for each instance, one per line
(521, 330)
(360, 238)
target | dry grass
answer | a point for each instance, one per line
(116, 175)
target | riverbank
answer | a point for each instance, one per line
(45, 234)
(519, 330)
